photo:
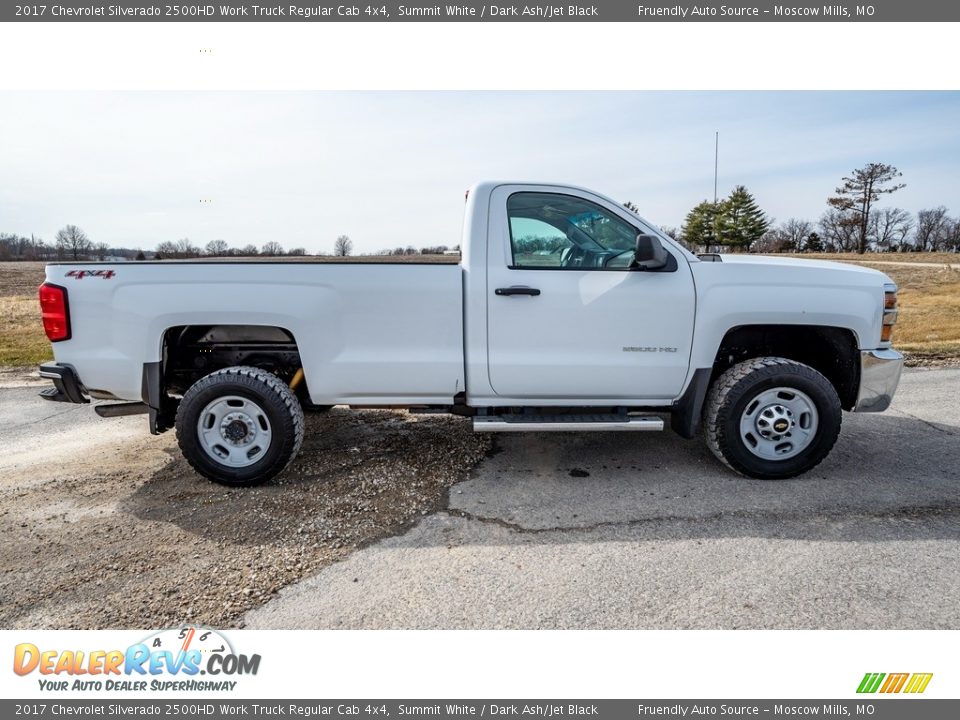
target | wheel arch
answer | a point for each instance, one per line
(189, 352)
(831, 351)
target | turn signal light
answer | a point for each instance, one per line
(55, 312)
(889, 313)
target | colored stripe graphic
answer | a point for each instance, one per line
(870, 682)
(894, 683)
(918, 683)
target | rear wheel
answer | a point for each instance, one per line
(239, 426)
(772, 418)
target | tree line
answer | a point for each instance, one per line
(70, 243)
(852, 222)
(73, 244)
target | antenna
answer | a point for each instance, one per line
(716, 163)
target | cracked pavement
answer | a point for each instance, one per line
(618, 530)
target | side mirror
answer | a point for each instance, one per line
(649, 254)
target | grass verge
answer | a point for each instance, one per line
(22, 340)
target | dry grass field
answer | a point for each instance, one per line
(945, 258)
(928, 330)
(22, 341)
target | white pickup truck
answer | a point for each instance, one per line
(566, 312)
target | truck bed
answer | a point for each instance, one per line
(367, 333)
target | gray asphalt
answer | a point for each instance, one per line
(649, 531)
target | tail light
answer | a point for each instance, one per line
(55, 312)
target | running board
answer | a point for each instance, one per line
(566, 423)
(121, 409)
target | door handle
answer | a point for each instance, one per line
(517, 290)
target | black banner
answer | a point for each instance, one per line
(475, 11)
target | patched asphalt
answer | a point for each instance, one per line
(647, 530)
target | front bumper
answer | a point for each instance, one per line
(66, 385)
(879, 375)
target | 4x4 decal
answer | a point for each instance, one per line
(81, 274)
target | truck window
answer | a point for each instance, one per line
(554, 231)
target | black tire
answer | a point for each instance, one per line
(271, 395)
(728, 400)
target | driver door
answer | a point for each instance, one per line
(567, 318)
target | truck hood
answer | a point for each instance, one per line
(781, 266)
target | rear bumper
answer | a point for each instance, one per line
(66, 385)
(879, 375)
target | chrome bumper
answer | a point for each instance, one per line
(879, 375)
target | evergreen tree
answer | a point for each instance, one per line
(699, 226)
(740, 222)
(814, 244)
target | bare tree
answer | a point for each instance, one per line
(101, 250)
(186, 249)
(932, 227)
(772, 241)
(73, 241)
(271, 249)
(952, 235)
(217, 248)
(297, 252)
(889, 227)
(167, 249)
(838, 232)
(795, 233)
(859, 192)
(343, 247)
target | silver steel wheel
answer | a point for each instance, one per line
(779, 423)
(234, 431)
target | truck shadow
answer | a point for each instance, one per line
(359, 476)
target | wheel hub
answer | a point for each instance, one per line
(237, 429)
(774, 422)
(779, 423)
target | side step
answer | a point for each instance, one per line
(566, 423)
(121, 409)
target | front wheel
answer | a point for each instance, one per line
(772, 418)
(239, 426)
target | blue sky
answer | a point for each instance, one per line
(390, 168)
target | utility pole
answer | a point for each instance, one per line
(716, 163)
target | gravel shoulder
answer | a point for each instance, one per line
(106, 526)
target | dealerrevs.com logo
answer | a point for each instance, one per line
(911, 683)
(174, 659)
